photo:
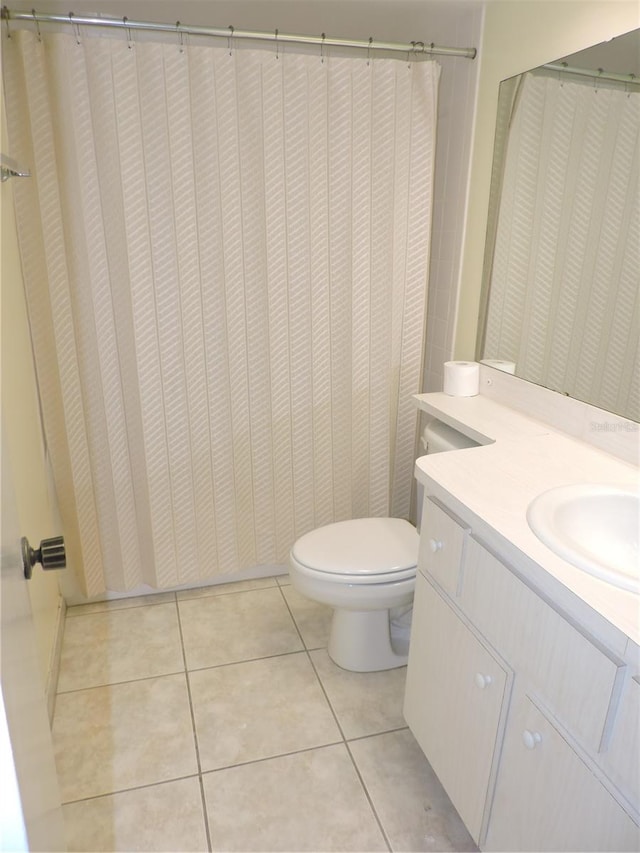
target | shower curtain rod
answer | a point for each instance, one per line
(597, 74)
(414, 48)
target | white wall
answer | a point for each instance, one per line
(519, 36)
(454, 138)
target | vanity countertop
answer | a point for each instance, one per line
(491, 486)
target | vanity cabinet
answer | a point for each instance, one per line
(547, 798)
(455, 691)
(529, 721)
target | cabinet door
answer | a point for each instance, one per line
(547, 798)
(453, 701)
(576, 675)
(621, 761)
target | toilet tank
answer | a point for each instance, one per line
(438, 437)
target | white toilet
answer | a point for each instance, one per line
(364, 568)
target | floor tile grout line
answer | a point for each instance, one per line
(300, 751)
(181, 595)
(346, 744)
(326, 696)
(322, 687)
(129, 790)
(182, 671)
(369, 798)
(293, 619)
(229, 592)
(117, 609)
(203, 800)
(120, 683)
(273, 757)
(313, 666)
(205, 813)
(246, 660)
(378, 734)
(340, 729)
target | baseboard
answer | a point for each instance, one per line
(253, 573)
(51, 687)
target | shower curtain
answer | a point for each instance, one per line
(225, 257)
(564, 302)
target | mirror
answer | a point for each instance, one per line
(561, 296)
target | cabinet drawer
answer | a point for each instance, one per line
(441, 546)
(621, 761)
(453, 702)
(575, 676)
(547, 798)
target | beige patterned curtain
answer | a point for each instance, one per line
(225, 259)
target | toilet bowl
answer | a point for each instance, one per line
(362, 568)
(365, 569)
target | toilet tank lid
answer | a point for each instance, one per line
(360, 546)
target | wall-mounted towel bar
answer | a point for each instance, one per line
(10, 169)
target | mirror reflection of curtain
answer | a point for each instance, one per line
(225, 259)
(564, 302)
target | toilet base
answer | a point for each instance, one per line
(360, 641)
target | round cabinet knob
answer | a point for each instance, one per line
(436, 545)
(531, 739)
(482, 680)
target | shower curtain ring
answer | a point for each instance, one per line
(37, 23)
(369, 50)
(75, 27)
(130, 41)
(230, 40)
(277, 45)
(324, 35)
(595, 80)
(181, 34)
(5, 15)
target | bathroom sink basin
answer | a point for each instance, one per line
(593, 527)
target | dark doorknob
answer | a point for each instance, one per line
(51, 555)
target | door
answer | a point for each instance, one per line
(30, 811)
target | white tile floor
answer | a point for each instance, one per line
(214, 719)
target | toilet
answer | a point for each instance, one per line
(365, 568)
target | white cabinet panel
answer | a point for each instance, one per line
(621, 761)
(547, 798)
(453, 702)
(441, 546)
(576, 676)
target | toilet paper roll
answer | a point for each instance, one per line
(461, 378)
(499, 364)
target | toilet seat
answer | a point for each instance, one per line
(359, 551)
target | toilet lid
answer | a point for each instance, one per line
(360, 547)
